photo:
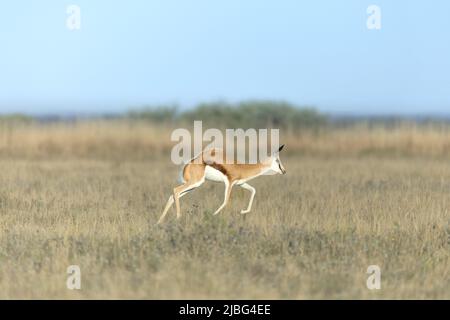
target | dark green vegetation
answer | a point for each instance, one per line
(250, 114)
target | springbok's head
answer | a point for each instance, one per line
(276, 164)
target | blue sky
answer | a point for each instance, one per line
(132, 53)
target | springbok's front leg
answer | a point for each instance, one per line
(228, 187)
(252, 196)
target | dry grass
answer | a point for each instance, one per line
(311, 234)
(136, 140)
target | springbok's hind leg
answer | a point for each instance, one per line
(228, 188)
(194, 176)
(166, 209)
(178, 192)
(252, 196)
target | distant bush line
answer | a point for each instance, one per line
(246, 114)
(275, 114)
(251, 114)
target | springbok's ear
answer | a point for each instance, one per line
(281, 148)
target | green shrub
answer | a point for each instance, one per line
(248, 114)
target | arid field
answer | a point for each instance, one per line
(90, 194)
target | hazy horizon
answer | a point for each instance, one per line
(92, 113)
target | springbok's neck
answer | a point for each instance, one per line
(267, 162)
(266, 165)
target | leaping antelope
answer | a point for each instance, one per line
(197, 170)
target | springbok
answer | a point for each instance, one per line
(197, 170)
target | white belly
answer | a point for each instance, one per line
(215, 175)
